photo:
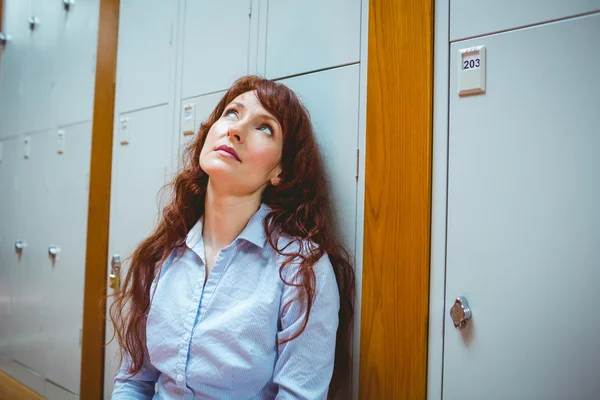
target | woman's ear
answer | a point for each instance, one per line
(276, 181)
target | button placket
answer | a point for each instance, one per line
(187, 326)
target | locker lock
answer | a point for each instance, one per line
(33, 22)
(68, 4)
(4, 38)
(53, 251)
(460, 312)
(19, 246)
(115, 275)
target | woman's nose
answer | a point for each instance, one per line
(236, 133)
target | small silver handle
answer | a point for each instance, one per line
(20, 245)
(53, 251)
(115, 264)
(68, 4)
(4, 37)
(460, 312)
(33, 22)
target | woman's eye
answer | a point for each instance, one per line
(230, 113)
(266, 129)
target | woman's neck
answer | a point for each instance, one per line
(226, 216)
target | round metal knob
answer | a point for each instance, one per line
(68, 4)
(460, 312)
(20, 245)
(33, 22)
(4, 37)
(53, 251)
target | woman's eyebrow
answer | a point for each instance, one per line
(265, 116)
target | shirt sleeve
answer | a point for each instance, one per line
(304, 366)
(139, 386)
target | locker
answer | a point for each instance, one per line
(470, 18)
(68, 198)
(8, 172)
(29, 344)
(331, 97)
(38, 71)
(305, 36)
(12, 59)
(202, 106)
(139, 170)
(523, 219)
(146, 38)
(215, 45)
(75, 63)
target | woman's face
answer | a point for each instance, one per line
(242, 152)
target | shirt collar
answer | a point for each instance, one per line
(254, 232)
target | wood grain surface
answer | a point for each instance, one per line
(395, 283)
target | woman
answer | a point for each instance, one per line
(242, 291)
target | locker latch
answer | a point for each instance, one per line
(115, 272)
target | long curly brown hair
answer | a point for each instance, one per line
(301, 210)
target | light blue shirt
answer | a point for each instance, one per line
(220, 340)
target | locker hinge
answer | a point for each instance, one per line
(250, 10)
(357, 162)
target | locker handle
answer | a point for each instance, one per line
(4, 38)
(460, 312)
(20, 245)
(53, 251)
(33, 22)
(68, 4)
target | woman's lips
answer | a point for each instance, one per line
(228, 152)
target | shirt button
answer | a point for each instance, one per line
(179, 378)
(186, 336)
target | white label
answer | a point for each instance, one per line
(27, 147)
(61, 142)
(188, 111)
(189, 116)
(471, 61)
(124, 130)
(471, 71)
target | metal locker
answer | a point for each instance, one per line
(469, 18)
(331, 97)
(74, 62)
(194, 112)
(216, 45)
(139, 170)
(146, 53)
(38, 72)
(66, 251)
(305, 36)
(523, 219)
(13, 51)
(31, 211)
(8, 262)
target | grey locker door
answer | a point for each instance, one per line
(74, 63)
(331, 97)
(12, 59)
(8, 256)
(202, 106)
(29, 343)
(147, 36)
(68, 200)
(309, 35)
(524, 218)
(38, 68)
(216, 45)
(140, 169)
